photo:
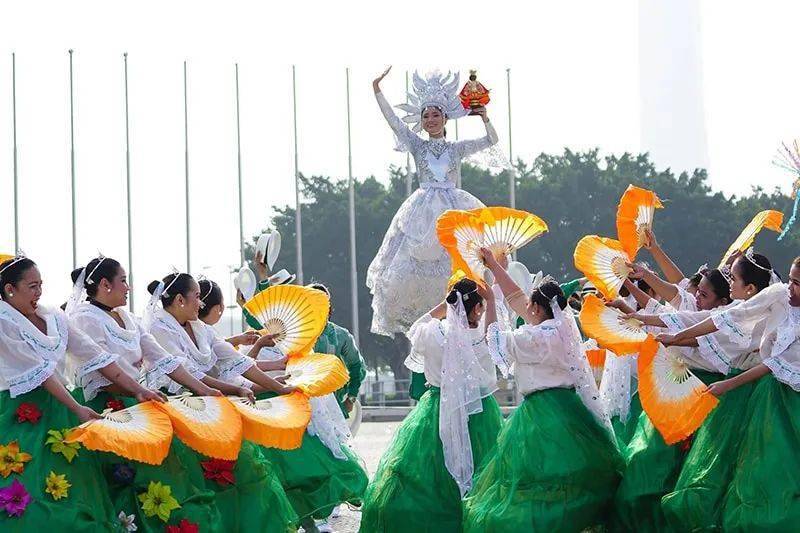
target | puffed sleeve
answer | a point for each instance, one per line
(473, 146)
(738, 322)
(526, 344)
(89, 355)
(425, 335)
(405, 137)
(157, 363)
(170, 343)
(230, 362)
(22, 368)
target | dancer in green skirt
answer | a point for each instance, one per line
(430, 463)
(652, 466)
(696, 501)
(556, 464)
(45, 483)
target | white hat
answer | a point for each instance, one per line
(521, 276)
(245, 282)
(281, 277)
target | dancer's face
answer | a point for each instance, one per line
(433, 121)
(739, 289)
(114, 293)
(24, 295)
(794, 286)
(705, 296)
(476, 313)
(187, 307)
(215, 313)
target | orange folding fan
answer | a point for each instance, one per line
(207, 424)
(317, 374)
(604, 262)
(278, 422)
(597, 362)
(296, 314)
(500, 229)
(609, 327)
(141, 433)
(634, 216)
(768, 219)
(674, 399)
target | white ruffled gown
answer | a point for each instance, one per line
(409, 274)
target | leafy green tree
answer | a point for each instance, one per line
(575, 193)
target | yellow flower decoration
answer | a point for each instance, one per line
(158, 501)
(57, 486)
(56, 440)
(12, 460)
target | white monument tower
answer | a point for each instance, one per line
(672, 118)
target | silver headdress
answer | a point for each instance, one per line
(79, 287)
(434, 90)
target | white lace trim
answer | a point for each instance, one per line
(234, 367)
(497, 349)
(707, 345)
(329, 425)
(31, 379)
(96, 363)
(91, 384)
(729, 327)
(784, 371)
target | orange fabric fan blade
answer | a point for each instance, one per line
(597, 362)
(634, 215)
(298, 315)
(461, 235)
(317, 374)
(768, 219)
(609, 327)
(210, 425)
(673, 398)
(141, 433)
(278, 422)
(603, 262)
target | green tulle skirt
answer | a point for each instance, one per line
(651, 471)
(412, 489)
(695, 504)
(765, 492)
(314, 480)
(256, 500)
(555, 468)
(87, 506)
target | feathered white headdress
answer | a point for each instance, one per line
(435, 90)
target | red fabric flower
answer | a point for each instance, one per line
(219, 470)
(28, 412)
(115, 405)
(184, 526)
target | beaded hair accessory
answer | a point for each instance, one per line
(17, 258)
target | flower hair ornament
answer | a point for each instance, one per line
(434, 90)
(79, 287)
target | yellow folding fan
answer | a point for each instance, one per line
(317, 374)
(207, 424)
(635, 215)
(609, 327)
(604, 262)
(674, 399)
(297, 315)
(768, 219)
(499, 229)
(278, 422)
(141, 433)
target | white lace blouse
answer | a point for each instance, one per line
(29, 357)
(140, 356)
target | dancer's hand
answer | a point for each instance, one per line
(246, 392)
(85, 414)
(666, 339)
(481, 112)
(262, 271)
(650, 242)
(719, 388)
(489, 259)
(146, 395)
(247, 338)
(637, 271)
(376, 83)
(265, 341)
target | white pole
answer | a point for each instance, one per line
(298, 219)
(352, 210)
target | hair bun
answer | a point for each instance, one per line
(75, 274)
(152, 286)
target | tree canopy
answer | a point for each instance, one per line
(575, 193)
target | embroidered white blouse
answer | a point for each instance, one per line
(29, 357)
(140, 356)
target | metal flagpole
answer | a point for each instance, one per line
(239, 169)
(512, 193)
(409, 178)
(298, 219)
(352, 210)
(186, 168)
(72, 162)
(128, 185)
(14, 127)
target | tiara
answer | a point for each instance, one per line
(17, 258)
(88, 279)
(164, 293)
(749, 256)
